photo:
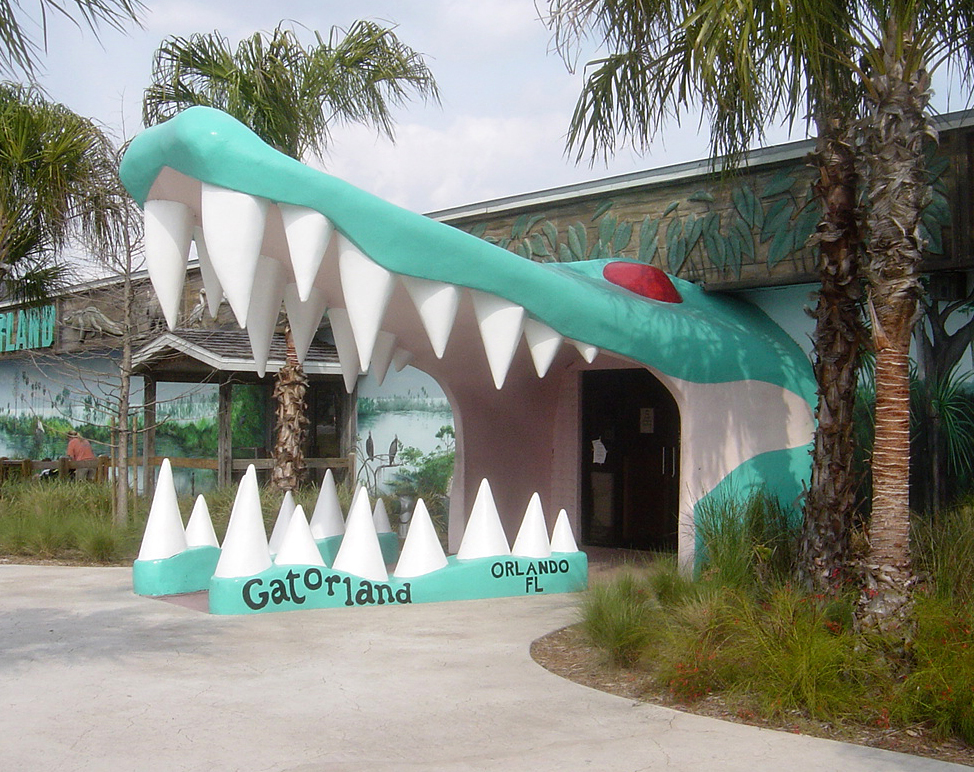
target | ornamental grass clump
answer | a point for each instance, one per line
(60, 519)
(943, 552)
(939, 690)
(746, 544)
(617, 617)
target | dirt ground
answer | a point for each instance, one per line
(566, 653)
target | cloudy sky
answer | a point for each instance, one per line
(506, 98)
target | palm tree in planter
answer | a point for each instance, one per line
(290, 96)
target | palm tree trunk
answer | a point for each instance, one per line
(897, 189)
(289, 390)
(829, 505)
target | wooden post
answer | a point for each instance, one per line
(349, 430)
(149, 437)
(224, 452)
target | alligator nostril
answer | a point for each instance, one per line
(646, 280)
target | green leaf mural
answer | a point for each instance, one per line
(601, 209)
(777, 218)
(648, 243)
(782, 182)
(622, 237)
(748, 205)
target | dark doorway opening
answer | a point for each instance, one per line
(630, 461)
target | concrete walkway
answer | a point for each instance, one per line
(93, 677)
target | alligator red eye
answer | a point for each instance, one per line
(646, 280)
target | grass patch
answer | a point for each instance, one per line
(71, 521)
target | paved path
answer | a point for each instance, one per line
(93, 677)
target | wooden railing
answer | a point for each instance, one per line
(27, 468)
(102, 465)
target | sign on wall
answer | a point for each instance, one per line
(28, 328)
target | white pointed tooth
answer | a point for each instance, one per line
(233, 228)
(587, 351)
(500, 322)
(303, 316)
(532, 536)
(345, 343)
(422, 552)
(437, 305)
(380, 518)
(280, 525)
(164, 535)
(401, 358)
(367, 287)
(245, 550)
(308, 233)
(265, 307)
(385, 347)
(168, 233)
(543, 343)
(214, 290)
(360, 553)
(326, 521)
(484, 535)
(199, 529)
(298, 546)
(562, 538)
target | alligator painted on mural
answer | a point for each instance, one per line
(507, 339)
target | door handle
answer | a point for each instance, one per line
(663, 469)
(673, 472)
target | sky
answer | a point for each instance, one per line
(506, 97)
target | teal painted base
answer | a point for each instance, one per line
(297, 587)
(189, 571)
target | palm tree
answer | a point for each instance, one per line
(19, 49)
(737, 59)
(57, 185)
(743, 64)
(901, 43)
(291, 95)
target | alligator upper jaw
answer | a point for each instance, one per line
(259, 254)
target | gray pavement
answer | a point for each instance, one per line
(93, 677)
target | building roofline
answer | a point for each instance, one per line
(172, 341)
(765, 156)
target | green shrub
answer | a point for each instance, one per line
(943, 549)
(747, 544)
(940, 687)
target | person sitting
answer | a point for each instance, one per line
(79, 449)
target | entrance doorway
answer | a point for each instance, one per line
(630, 460)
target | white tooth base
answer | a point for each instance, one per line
(199, 529)
(164, 534)
(171, 561)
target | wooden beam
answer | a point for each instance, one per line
(224, 441)
(149, 437)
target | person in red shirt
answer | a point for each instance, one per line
(79, 449)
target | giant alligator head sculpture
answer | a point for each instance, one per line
(506, 338)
